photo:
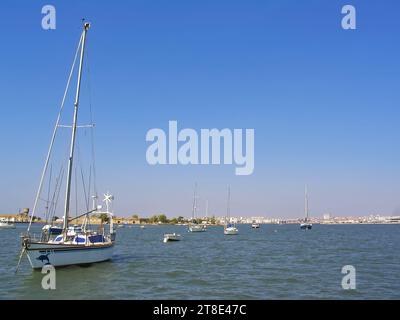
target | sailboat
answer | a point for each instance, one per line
(193, 225)
(5, 224)
(206, 220)
(306, 225)
(229, 228)
(70, 244)
(171, 237)
(255, 225)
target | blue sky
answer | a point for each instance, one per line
(324, 102)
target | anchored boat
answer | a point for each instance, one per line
(72, 243)
(6, 225)
(306, 225)
(194, 226)
(171, 237)
(229, 228)
(255, 225)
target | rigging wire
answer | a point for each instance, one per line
(39, 191)
(76, 192)
(48, 193)
(84, 190)
(58, 193)
(53, 200)
(89, 185)
(92, 123)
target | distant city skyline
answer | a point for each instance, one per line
(323, 102)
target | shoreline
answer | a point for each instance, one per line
(221, 225)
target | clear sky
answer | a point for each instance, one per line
(324, 102)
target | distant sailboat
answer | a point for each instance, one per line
(255, 225)
(229, 228)
(206, 220)
(71, 244)
(171, 237)
(5, 224)
(306, 225)
(194, 226)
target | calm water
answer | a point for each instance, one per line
(273, 262)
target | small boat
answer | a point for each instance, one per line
(197, 228)
(6, 225)
(306, 225)
(142, 227)
(171, 237)
(255, 225)
(229, 228)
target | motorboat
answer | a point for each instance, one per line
(171, 237)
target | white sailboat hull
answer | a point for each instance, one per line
(306, 226)
(40, 254)
(196, 228)
(231, 231)
(7, 225)
(171, 237)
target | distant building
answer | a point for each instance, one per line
(14, 217)
(327, 216)
(394, 219)
(257, 219)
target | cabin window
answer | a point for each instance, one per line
(80, 240)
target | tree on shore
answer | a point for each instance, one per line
(144, 220)
(153, 219)
(162, 218)
(198, 221)
(213, 220)
(181, 219)
(104, 218)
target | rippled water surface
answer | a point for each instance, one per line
(273, 262)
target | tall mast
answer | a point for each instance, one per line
(306, 202)
(194, 202)
(86, 26)
(228, 209)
